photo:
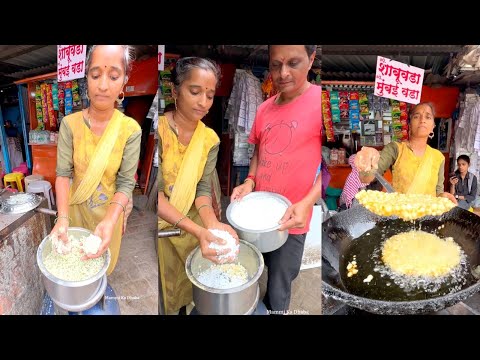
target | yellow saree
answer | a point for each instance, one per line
(182, 168)
(416, 175)
(96, 161)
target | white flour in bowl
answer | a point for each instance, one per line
(231, 245)
(70, 266)
(225, 276)
(258, 213)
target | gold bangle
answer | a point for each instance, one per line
(183, 217)
(118, 203)
(62, 217)
(204, 206)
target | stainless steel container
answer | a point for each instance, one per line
(265, 240)
(72, 295)
(240, 300)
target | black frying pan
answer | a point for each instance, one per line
(344, 234)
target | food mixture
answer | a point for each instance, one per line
(230, 245)
(418, 253)
(405, 206)
(68, 264)
(224, 276)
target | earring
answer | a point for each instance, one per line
(431, 135)
(119, 101)
(175, 103)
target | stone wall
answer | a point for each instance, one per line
(21, 285)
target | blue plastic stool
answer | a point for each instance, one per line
(332, 195)
(108, 305)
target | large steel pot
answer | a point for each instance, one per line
(240, 300)
(265, 240)
(72, 295)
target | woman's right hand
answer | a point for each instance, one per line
(367, 160)
(59, 232)
(241, 190)
(205, 238)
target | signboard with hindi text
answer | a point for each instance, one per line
(161, 57)
(395, 80)
(70, 62)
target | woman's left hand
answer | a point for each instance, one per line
(449, 197)
(104, 231)
(295, 216)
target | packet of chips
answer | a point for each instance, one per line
(68, 98)
(51, 112)
(43, 88)
(75, 94)
(55, 95)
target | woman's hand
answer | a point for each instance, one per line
(231, 231)
(241, 190)
(104, 231)
(295, 216)
(205, 238)
(367, 159)
(59, 236)
(449, 197)
(225, 227)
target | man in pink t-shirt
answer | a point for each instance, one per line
(287, 137)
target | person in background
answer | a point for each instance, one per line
(463, 184)
(287, 134)
(97, 154)
(352, 185)
(187, 155)
(416, 167)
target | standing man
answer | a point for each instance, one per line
(287, 134)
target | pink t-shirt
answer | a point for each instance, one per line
(290, 146)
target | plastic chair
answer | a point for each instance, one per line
(14, 179)
(31, 178)
(44, 187)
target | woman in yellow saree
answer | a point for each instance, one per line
(187, 158)
(416, 167)
(97, 154)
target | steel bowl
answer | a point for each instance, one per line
(265, 240)
(72, 295)
(240, 300)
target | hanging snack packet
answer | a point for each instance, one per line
(38, 103)
(51, 112)
(75, 94)
(44, 87)
(55, 95)
(68, 98)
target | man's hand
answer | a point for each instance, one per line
(240, 191)
(295, 216)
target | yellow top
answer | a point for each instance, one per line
(414, 174)
(183, 165)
